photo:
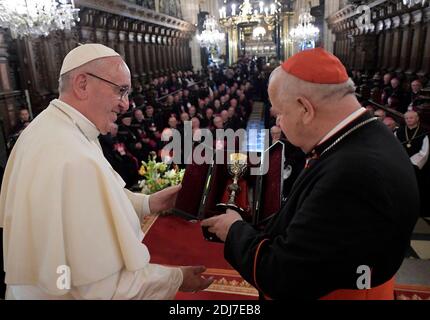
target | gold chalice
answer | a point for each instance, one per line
(236, 168)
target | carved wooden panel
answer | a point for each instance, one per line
(175, 54)
(154, 60)
(55, 49)
(405, 48)
(147, 55)
(416, 49)
(129, 53)
(381, 42)
(167, 66)
(425, 62)
(395, 51)
(138, 54)
(38, 64)
(402, 37)
(147, 47)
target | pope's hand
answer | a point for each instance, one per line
(220, 225)
(164, 199)
(193, 280)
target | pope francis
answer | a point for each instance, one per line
(71, 230)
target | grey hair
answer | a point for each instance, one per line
(337, 90)
(315, 91)
(64, 82)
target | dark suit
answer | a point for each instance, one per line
(355, 205)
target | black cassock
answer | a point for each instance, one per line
(355, 205)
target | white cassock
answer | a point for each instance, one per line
(62, 204)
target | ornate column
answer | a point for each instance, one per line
(388, 43)
(138, 54)
(86, 25)
(353, 52)
(169, 50)
(406, 43)
(112, 32)
(381, 42)
(369, 52)
(184, 52)
(153, 53)
(342, 45)
(395, 51)
(425, 62)
(179, 53)
(122, 37)
(53, 47)
(100, 23)
(163, 51)
(148, 67)
(71, 39)
(188, 51)
(158, 56)
(175, 49)
(415, 56)
(130, 51)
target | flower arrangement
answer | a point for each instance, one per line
(159, 175)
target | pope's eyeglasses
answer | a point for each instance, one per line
(123, 90)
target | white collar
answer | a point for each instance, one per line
(343, 123)
(86, 126)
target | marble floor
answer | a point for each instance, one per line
(415, 269)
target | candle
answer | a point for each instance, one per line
(272, 8)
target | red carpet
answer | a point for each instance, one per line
(181, 242)
(175, 241)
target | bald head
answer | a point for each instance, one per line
(275, 133)
(218, 122)
(308, 111)
(412, 119)
(319, 93)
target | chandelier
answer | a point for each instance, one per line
(210, 36)
(249, 13)
(305, 31)
(258, 32)
(37, 17)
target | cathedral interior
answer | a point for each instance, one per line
(383, 44)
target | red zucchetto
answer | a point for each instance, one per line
(316, 66)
